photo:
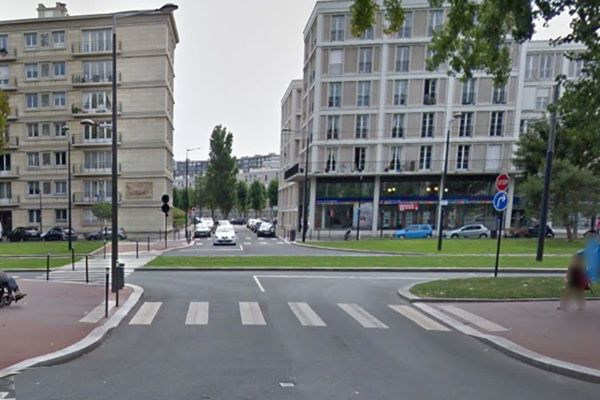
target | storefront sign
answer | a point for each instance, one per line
(412, 206)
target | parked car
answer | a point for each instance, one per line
(531, 231)
(208, 221)
(58, 233)
(23, 234)
(202, 230)
(238, 221)
(225, 235)
(223, 222)
(266, 230)
(106, 234)
(417, 231)
(469, 231)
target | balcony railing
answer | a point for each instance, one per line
(429, 99)
(9, 84)
(13, 172)
(8, 54)
(10, 201)
(93, 170)
(93, 47)
(14, 114)
(11, 142)
(88, 198)
(82, 141)
(468, 98)
(93, 80)
(81, 110)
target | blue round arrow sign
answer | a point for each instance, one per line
(500, 201)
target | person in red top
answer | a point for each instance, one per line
(576, 283)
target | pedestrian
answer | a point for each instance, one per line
(9, 284)
(576, 283)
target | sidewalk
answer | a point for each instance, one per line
(49, 319)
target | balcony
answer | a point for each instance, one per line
(429, 99)
(83, 111)
(10, 201)
(82, 170)
(9, 54)
(13, 115)
(89, 199)
(11, 143)
(82, 141)
(84, 80)
(11, 173)
(291, 172)
(93, 48)
(8, 85)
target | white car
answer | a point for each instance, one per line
(225, 235)
(224, 223)
(207, 221)
(202, 230)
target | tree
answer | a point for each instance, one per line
(273, 193)
(102, 211)
(177, 197)
(258, 197)
(4, 111)
(242, 197)
(222, 170)
(200, 194)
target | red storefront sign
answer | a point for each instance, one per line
(408, 206)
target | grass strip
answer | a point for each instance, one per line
(54, 248)
(31, 263)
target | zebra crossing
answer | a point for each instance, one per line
(251, 314)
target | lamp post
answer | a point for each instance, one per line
(443, 180)
(358, 210)
(66, 132)
(390, 191)
(40, 192)
(187, 196)
(115, 225)
(305, 191)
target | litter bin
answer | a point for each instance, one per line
(494, 234)
(292, 235)
(119, 276)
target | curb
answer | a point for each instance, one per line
(354, 269)
(85, 345)
(516, 351)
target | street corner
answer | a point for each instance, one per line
(52, 319)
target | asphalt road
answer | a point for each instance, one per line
(248, 244)
(226, 357)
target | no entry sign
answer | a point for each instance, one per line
(502, 182)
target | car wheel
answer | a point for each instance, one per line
(401, 237)
(483, 236)
(551, 235)
(454, 236)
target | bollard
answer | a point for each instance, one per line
(148, 243)
(137, 249)
(106, 295)
(174, 235)
(87, 271)
(73, 258)
(159, 235)
(105, 248)
(48, 266)
(318, 234)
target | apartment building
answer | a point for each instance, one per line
(57, 71)
(375, 120)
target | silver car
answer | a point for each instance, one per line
(469, 231)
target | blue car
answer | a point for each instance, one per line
(418, 231)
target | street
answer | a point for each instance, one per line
(239, 335)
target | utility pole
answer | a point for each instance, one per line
(547, 176)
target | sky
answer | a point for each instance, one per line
(233, 63)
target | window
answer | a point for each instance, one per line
(31, 71)
(545, 71)
(397, 125)
(60, 188)
(58, 39)
(5, 190)
(435, 20)
(542, 98)
(427, 125)
(45, 100)
(97, 134)
(576, 68)
(368, 34)
(336, 62)
(335, 94)
(30, 40)
(395, 158)
(365, 60)
(400, 92)
(60, 215)
(98, 160)
(425, 157)
(468, 91)
(364, 94)
(60, 99)
(97, 101)
(4, 42)
(499, 95)
(462, 156)
(532, 65)
(362, 126)
(4, 76)
(46, 159)
(333, 127)
(338, 23)
(59, 69)
(60, 158)
(5, 164)
(33, 188)
(44, 70)
(523, 126)
(465, 128)
(406, 28)
(45, 129)
(429, 91)
(97, 71)
(97, 40)
(60, 129)
(98, 190)
(330, 159)
(493, 157)
(33, 159)
(33, 130)
(34, 216)
(496, 126)
(360, 155)
(44, 39)
(402, 58)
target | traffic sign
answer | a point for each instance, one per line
(502, 182)
(500, 201)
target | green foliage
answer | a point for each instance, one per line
(4, 111)
(201, 195)
(257, 196)
(273, 192)
(364, 15)
(102, 211)
(394, 14)
(222, 170)
(242, 197)
(178, 216)
(177, 199)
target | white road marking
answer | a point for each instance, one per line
(262, 242)
(251, 314)
(247, 243)
(241, 247)
(418, 318)
(146, 313)
(280, 243)
(411, 278)
(197, 313)
(473, 319)
(248, 238)
(306, 315)
(362, 316)
(260, 286)
(97, 313)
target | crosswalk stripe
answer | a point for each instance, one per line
(251, 314)
(197, 313)
(146, 313)
(474, 319)
(262, 242)
(306, 314)
(418, 318)
(97, 313)
(362, 316)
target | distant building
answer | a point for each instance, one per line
(270, 160)
(262, 175)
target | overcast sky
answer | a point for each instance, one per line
(233, 64)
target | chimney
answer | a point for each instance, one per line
(59, 10)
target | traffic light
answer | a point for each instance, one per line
(165, 207)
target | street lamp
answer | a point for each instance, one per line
(305, 194)
(65, 130)
(187, 196)
(443, 181)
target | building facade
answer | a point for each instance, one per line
(374, 121)
(57, 71)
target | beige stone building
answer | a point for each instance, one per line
(57, 71)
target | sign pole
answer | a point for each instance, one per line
(501, 221)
